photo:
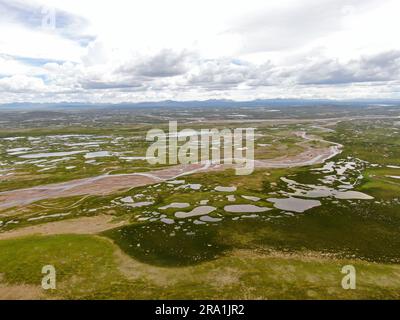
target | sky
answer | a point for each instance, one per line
(129, 51)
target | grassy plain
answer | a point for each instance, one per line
(273, 255)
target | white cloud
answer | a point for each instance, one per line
(377, 68)
(21, 84)
(165, 63)
(128, 51)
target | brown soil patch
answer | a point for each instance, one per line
(108, 184)
(84, 225)
(100, 185)
(20, 292)
(223, 277)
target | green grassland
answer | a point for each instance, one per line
(90, 267)
(33, 172)
(272, 256)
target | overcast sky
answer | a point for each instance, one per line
(119, 50)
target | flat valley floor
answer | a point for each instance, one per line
(77, 192)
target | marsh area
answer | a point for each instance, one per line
(184, 232)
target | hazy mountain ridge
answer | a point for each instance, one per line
(206, 103)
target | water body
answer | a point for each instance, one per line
(198, 211)
(127, 200)
(245, 208)
(319, 191)
(251, 198)
(193, 186)
(394, 177)
(225, 189)
(294, 204)
(167, 221)
(176, 181)
(23, 150)
(50, 154)
(140, 204)
(49, 216)
(210, 219)
(135, 158)
(29, 195)
(179, 205)
(97, 154)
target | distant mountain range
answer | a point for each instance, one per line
(206, 103)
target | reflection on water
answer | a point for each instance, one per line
(337, 178)
(294, 204)
(320, 191)
(181, 238)
(198, 211)
(245, 208)
(179, 205)
(225, 189)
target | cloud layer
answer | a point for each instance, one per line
(60, 51)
